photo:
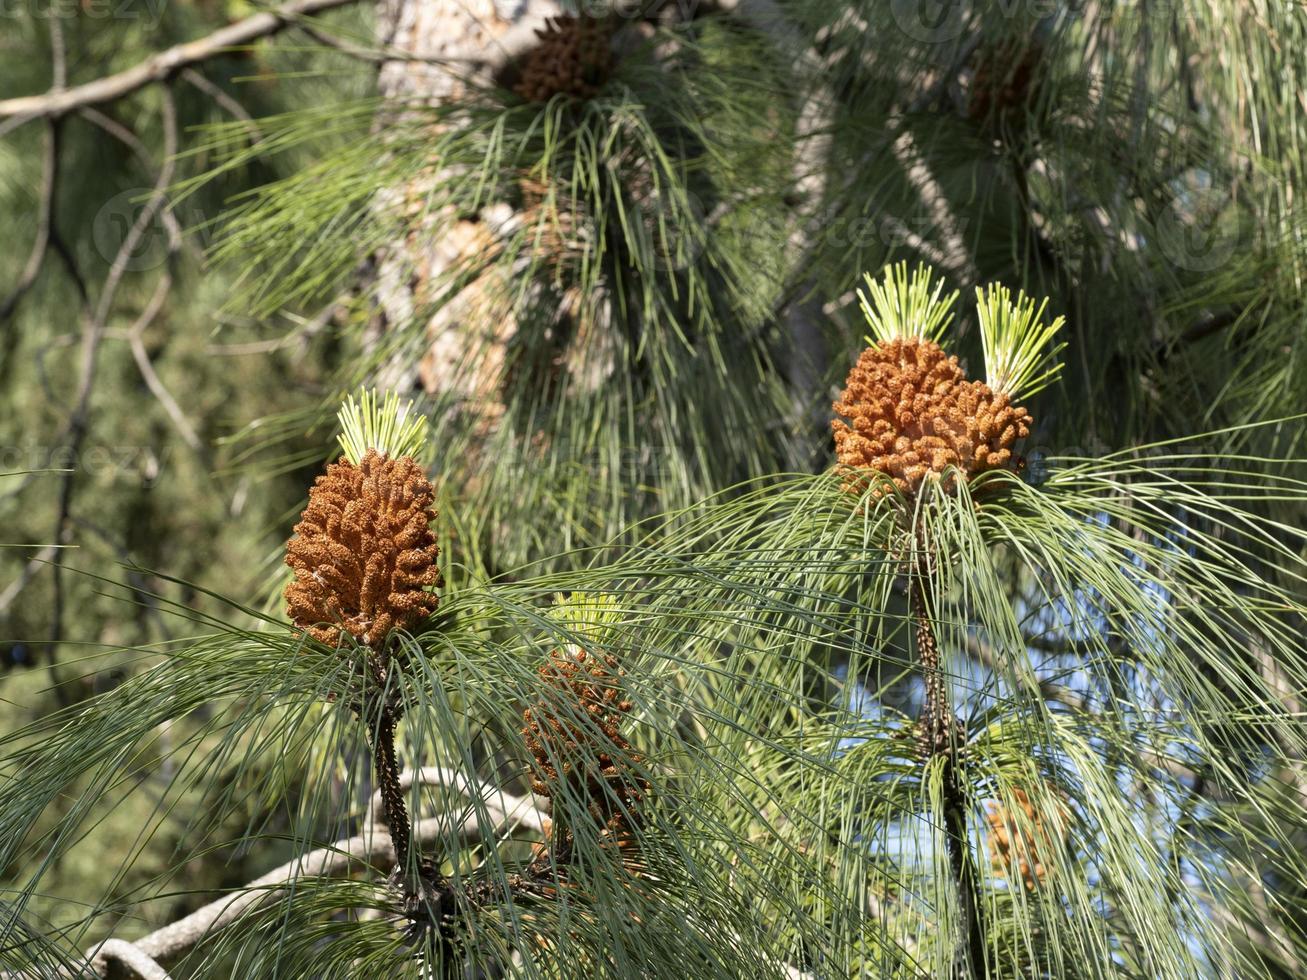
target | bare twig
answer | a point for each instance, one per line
(348, 48)
(304, 332)
(9, 125)
(134, 336)
(45, 217)
(153, 207)
(92, 335)
(142, 358)
(159, 67)
(225, 101)
(129, 139)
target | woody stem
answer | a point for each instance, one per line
(394, 812)
(941, 736)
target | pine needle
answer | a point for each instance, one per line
(389, 428)
(1017, 361)
(902, 306)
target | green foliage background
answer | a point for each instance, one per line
(145, 501)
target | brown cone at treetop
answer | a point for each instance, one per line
(908, 411)
(573, 57)
(363, 552)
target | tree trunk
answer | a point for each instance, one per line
(412, 273)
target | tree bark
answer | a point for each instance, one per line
(411, 273)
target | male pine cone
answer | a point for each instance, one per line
(1023, 845)
(576, 739)
(911, 412)
(363, 552)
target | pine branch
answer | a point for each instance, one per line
(393, 811)
(146, 366)
(373, 847)
(129, 955)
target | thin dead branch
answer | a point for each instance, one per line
(165, 64)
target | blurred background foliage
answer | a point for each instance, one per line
(145, 496)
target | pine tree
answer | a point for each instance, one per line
(847, 522)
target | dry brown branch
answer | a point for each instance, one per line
(163, 65)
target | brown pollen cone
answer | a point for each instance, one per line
(578, 728)
(573, 57)
(908, 411)
(1023, 847)
(363, 552)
